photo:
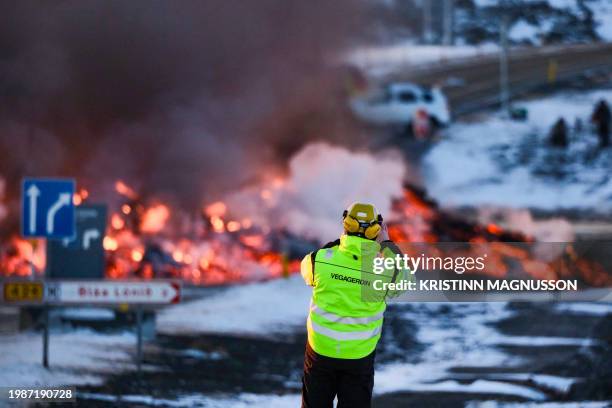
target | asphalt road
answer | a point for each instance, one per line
(210, 364)
(476, 81)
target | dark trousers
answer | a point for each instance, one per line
(325, 378)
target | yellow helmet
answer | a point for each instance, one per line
(362, 219)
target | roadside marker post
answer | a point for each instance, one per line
(139, 339)
(46, 336)
(47, 211)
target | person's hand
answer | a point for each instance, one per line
(383, 235)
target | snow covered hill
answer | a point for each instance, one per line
(532, 22)
(537, 21)
(499, 162)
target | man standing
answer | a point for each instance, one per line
(601, 117)
(346, 316)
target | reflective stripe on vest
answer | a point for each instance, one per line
(338, 335)
(332, 317)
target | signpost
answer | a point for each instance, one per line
(47, 211)
(92, 293)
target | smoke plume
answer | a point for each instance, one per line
(323, 181)
(181, 99)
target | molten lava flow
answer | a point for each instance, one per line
(417, 219)
(110, 244)
(151, 240)
(117, 222)
(154, 219)
(80, 196)
(22, 258)
(216, 209)
(125, 190)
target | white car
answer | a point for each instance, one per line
(397, 104)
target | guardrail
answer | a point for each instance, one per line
(520, 88)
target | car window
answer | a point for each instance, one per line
(407, 97)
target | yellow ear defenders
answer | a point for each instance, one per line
(362, 219)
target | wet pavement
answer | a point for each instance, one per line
(209, 364)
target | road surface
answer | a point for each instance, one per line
(528, 71)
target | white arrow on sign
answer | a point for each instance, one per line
(88, 236)
(63, 200)
(32, 193)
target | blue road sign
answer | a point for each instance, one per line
(47, 210)
(83, 255)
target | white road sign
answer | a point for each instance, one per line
(113, 292)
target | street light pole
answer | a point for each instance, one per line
(427, 21)
(449, 14)
(504, 90)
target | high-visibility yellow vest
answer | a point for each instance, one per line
(346, 312)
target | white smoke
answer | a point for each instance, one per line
(323, 180)
(549, 230)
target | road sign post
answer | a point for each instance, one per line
(139, 338)
(504, 87)
(46, 336)
(49, 293)
(47, 211)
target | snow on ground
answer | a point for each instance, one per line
(382, 60)
(478, 387)
(90, 313)
(597, 309)
(499, 162)
(602, 13)
(279, 305)
(603, 16)
(498, 404)
(457, 341)
(455, 335)
(240, 401)
(601, 9)
(551, 382)
(77, 358)
(467, 339)
(522, 31)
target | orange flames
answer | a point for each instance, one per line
(125, 190)
(150, 240)
(143, 241)
(80, 196)
(23, 258)
(154, 219)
